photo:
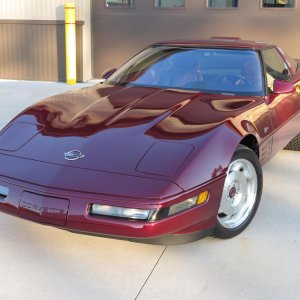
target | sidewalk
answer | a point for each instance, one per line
(262, 263)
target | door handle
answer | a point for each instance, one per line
(297, 87)
(3, 193)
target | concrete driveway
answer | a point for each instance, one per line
(39, 262)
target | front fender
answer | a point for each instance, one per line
(210, 159)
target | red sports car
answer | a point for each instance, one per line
(167, 149)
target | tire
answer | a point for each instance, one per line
(241, 193)
(294, 144)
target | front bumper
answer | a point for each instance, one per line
(71, 211)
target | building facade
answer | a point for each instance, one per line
(110, 31)
(32, 45)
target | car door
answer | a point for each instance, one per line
(284, 108)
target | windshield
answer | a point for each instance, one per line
(209, 70)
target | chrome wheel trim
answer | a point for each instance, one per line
(239, 194)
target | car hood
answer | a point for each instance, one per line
(134, 131)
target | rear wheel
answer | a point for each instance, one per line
(294, 144)
(241, 193)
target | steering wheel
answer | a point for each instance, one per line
(233, 79)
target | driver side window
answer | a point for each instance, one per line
(276, 67)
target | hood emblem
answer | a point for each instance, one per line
(73, 155)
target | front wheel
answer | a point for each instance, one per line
(241, 193)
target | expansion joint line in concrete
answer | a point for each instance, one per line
(150, 273)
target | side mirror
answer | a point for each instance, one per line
(283, 87)
(107, 73)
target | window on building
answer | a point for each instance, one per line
(169, 3)
(222, 3)
(278, 3)
(119, 3)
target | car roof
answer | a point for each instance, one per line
(219, 42)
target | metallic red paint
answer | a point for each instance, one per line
(79, 219)
(126, 135)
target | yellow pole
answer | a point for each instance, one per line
(70, 33)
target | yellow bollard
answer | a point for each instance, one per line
(70, 35)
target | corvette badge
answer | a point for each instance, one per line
(73, 155)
